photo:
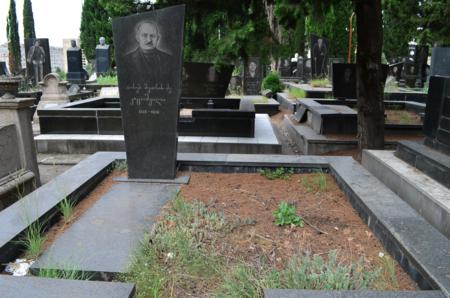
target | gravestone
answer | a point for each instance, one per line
(395, 70)
(102, 57)
(436, 124)
(344, 80)
(440, 61)
(37, 53)
(54, 93)
(299, 72)
(3, 69)
(319, 56)
(205, 79)
(422, 67)
(75, 71)
(307, 71)
(331, 61)
(252, 76)
(149, 64)
(285, 67)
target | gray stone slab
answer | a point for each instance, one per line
(177, 180)
(9, 159)
(272, 293)
(104, 238)
(36, 287)
(419, 247)
(75, 182)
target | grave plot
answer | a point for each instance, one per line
(324, 126)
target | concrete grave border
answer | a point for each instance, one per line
(420, 249)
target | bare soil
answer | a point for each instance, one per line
(253, 198)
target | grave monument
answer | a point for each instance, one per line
(440, 61)
(319, 56)
(252, 76)
(285, 67)
(37, 53)
(149, 64)
(75, 72)
(344, 80)
(102, 57)
(3, 69)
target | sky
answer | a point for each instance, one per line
(53, 19)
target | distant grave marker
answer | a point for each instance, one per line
(252, 76)
(319, 56)
(149, 63)
(440, 61)
(75, 72)
(37, 53)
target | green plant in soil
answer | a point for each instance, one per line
(272, 81)
(107, 80)
(72, 272)
(296, 93)
(286, 214)
(67, 208)
(320, 83)
(120, 165)
(278, 173)
(316, 182)
(33, 240)
(182, 254)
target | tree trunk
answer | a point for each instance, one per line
(275, 29)
(369, 74)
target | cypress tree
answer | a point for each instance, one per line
(28, 20)
(12, 32)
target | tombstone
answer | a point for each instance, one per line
(440, 61)
(252, 76)
(205, 79)
(344, 80)
(149, 65)
(307, 71)
(75, 71)
(54, 93)
(102, 57)
(299, 72)
(395, 70)
(3, 69)
(330, 66)
(436, 124)
(285, 67)
(319, 56)
(422, 67)
(37, 53)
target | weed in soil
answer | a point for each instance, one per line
(286, 214)
(315, 183)
(181, 257)
(279, 173)
(33, 240)
(67, 209)
(71, 273)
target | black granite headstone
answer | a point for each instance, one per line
(252, 76)
(37, 53)
(102, 57)
(422, 64)
(285, 67)
(307, 74)
(331, 61)
(395, 70)
(440, 61)
(344, 80)
(149, 65)
(75, 73)
(319, 56)
(205, 79)
(299, 72)
(3, 69)
(436, 124)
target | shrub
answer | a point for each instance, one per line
(272, 82)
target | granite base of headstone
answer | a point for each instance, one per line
(252, 76)
(205, 79)
(440, 61)
(149, 65)
(37, 53)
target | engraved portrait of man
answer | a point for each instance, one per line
(252, 66)
(36, 56)
(147, 60)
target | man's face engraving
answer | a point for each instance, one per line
(147, 36)
(252, 66)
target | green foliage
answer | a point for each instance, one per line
(286, 214)
(320, 83)
(95, 23)
(120, 165)
(107, 80)
(279, 173)
(67, 208)
(272, 81)
(61, 73)
(316, 182)
(28, 20)
(33, 240)
(70, 272)
(296, 93)
(12, 33)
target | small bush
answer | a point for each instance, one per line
(286, 214)
(272, 82)
(279, 173)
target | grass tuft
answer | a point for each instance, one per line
(67, 209)
(71, 273)
(33, 240)
(320, 83)
(316, 182)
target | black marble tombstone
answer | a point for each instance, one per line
(307, 74)
(149, 65)
(436, 125)
(75, 72)
(299, 72)
(37, 53)
(319, 56)
(440, 61)
(102, 58)
(331, 61)
(205, 79)
(252, 76)
(285, 67)
(344, 80)
(3, 69)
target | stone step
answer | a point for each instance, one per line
(271, 293)
(428, 197)
(36, 287)
(103, 240)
